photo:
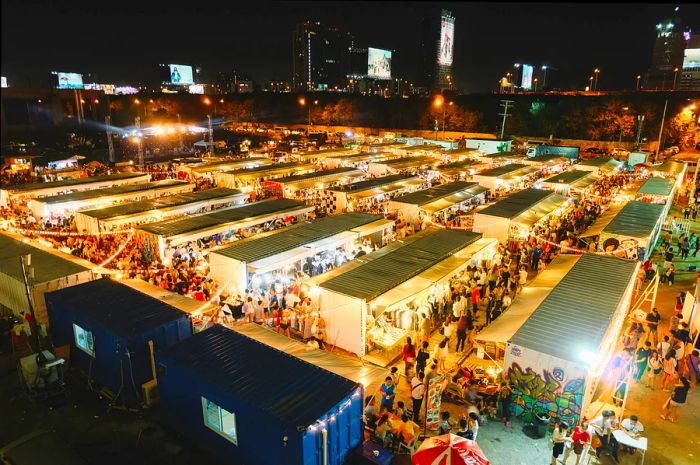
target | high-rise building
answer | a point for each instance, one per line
(437, 47)
(667, 55)
(690, 75)
(321, 57)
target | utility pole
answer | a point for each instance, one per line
(28, 275)
(691, 199)
(110, 143)
(640, 120)
(137, 123)
(211, 137)
(505, 104)
(661, 130)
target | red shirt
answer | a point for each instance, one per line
(580, 436)
(476, 296)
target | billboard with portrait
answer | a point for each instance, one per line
(181, 75)
(378, 63)
(447, 35)
(69, 80)
(526, 81)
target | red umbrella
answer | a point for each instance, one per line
(449, 449)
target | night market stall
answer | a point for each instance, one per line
(669, 168)
(419, 150)
(490, 145)
(51, 272)
(113, 331)
(382, 146)
(401, 165)
(502, 158)
(369, 195)
(373, 302)
(43, 189)
(657, 189)
(252, 179)
(246, 402)
(460, 170)
(512, 217)
(599, 165)
(221, 223)
(570, 182)
(280, 255)
(555, 360)
(133, 213)
(360, 160)
(634, 229)
(321, 156)
(212, 166)
(505, 177)
(67, 204)
(309, 185)
(437, 203)
(553, 163)
(455, 155)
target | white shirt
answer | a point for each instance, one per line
(636, 429)
(523, 277)
(448, 330)
(417, 388)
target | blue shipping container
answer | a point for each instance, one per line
(108, 326)
(247, 403)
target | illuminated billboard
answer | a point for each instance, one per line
(69, 80)
(106, 88)
(447, 35)
(691, 58)
(526, 81)
(196, 89)
(181, 75)
(4, 82)
(378, 63)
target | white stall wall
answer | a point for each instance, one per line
(345, 321)
(492, 226)
(228, 271)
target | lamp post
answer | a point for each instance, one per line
(590, 83)
(518, 72)
(638, 78)
(536, 81)
(597, 72)
(675, 77)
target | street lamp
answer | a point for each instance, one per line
(597, 72)
(675, 77)
(619, 141)
(590, 83)
(536, 81)
(638, 78)
(518, 78)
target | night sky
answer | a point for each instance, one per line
(122, 41)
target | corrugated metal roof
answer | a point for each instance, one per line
(548, 158)
(436, 193)
(296, 392)
(260, 171)
(414, 148)
(576, 314)
(656, 185)
(669, 166)
(168, 201)
(112, 191)
(505, 155)
(72, 182)
(174, 227)
(409, 162)
(636, 219)
(373, 183)
(47, 266)
(516, 204)
(503, 170)
(117, 307)
(599, 161)
(567, 177)
(252, 249)
(372, 279)
(315, 175)
(366, 156)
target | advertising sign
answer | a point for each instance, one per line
(432, 416)
(69, 80)
(526, 82)
(447, 35)
(691, 58)
(106, 88)
(378, 63)
(4, 82)
(181, 75)
(196, 89)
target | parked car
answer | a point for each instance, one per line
(594, 151)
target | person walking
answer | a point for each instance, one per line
(559, 440)
(461, 333)
(417, 394)
(676, 401)
(671, 274)
(669, 367)
(642, 359)
(580, 437)
(654, 369)
(504, 396)
(409, 356)
(388, 389)
(652, 320)
(422, 359)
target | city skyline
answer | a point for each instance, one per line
(486, 40)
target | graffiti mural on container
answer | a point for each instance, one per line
(546, 393)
